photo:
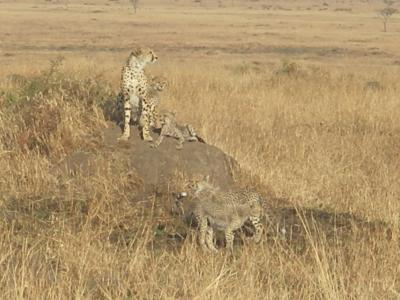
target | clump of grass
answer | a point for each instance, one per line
(53, 81)
(289, 68)
(53, 113)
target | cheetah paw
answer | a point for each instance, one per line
(147, 138)
(213, 249)
(123, 137)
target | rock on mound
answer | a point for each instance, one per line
(156, 166)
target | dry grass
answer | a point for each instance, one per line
(319, 134)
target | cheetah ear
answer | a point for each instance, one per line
(206, 178)
(136, 52)
(179, 195)
(177, 204)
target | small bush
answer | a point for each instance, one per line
(53, 112)
(288, 68)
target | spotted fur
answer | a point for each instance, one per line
(214, 209)
(134, 88)
(169, 127)
(152, 117)
(156, 84)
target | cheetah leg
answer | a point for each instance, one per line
(155, 121)
(258, 227)
(127, 118)
(203, 229)
(120, 114)
(210, 239)
(160, 139)
(229, 239)
(145, 123)
(193, 135)
(181, 140)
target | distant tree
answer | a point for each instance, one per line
(135, 4)
(65, 2)
(389, 2)
(385, 15)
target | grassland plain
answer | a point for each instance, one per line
(304, 94)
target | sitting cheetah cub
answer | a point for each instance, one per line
(169, 127)
(156, 85)
(227, 211)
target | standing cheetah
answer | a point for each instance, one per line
(134, 87)
(169, 127)
(214, 209)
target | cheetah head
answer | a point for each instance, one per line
(170, 115)
(192, 135)
(198, 185)
(168, 118)
(256, 209)
(158, 83)
(144, 54)
(177, 207)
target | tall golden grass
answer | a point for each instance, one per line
(321, 138)
(320, 129)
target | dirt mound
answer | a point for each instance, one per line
(157, 166)
(156, 169)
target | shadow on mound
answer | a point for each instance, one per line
(302, 226)
(156, 167)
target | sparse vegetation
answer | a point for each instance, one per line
(289, 68)
(385, 14)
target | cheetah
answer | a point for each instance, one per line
(156, 84)
(153, 119)
(134, 86)
(214, 209)
(169, 127)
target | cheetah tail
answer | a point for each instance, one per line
(201, 140)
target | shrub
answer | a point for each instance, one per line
(53, 112)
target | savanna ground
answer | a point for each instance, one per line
(304, 94)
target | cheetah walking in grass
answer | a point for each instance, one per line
(134, 89)
(169, 127)
(227, 211)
